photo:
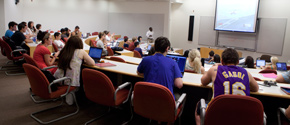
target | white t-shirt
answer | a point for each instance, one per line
(149, 33)
(108, 38)
(59, 44)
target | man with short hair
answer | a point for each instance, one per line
(159, 69)
(228, 78)
(12, 27)
(19, 38)
(211, 54)
(137, 48)
(149, 35)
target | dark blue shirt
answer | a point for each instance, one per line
(139, 50)
(160, 69)
(126, 45)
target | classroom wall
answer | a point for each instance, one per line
(179, 17)
(90, 15)
(2, 20)
(144, 7)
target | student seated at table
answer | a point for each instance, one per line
(137, 48)
(42, 55)
(102, 44)
(31, 29)
(77, 32)
(193, 63)
(272, 66)
(228, 78)
(70, 60)
(139, 39)
(249, 62)
(131, 45)
(284, 77)
(38, 28)
(19, 38)
(12, 27)
(57, 41)
(109, 36)
(159, 69)
(151, 51)
(211, 54)
(216, 59)
(126, 45)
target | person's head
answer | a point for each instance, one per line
(139, 38)
(185, 54)
(21, 27)
(77, 28)
(30, 24)
(151, 51)
(151, 29)
(274, 60)
(12, 25)
(125, 39)
(62, 30)
(136, 44)
(25, 25)
(217, 58)
(38, 26)
(194, 59)
(211, 53)
(249, 62)
(66, 30)
(44, 37)
(162, 44)
(67, 52)
(101, 35)
(57, 36)
(230, 57)
(134, 39)
(106, 32)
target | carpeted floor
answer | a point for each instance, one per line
(16, 106)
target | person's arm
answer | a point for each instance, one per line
(28, 40)
(254, 87)
(49, 61)
(178, 82)
(287, 112)
(147, 34)
(87, 59)
(202, 70)
(280, 79)
(207, 77)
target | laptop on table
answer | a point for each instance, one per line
(180, 62)
(281, 66)
(96, 53)
(260, 63)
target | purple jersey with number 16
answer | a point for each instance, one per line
(231, 80)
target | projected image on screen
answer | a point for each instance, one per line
(236, 15)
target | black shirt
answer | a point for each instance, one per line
(18, 38)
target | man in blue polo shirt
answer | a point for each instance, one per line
(12, 27)
(160, 69)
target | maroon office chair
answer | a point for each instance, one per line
(137, 54)
(42, 88)
(93, 43)
(2, 47)
(190, 71)
(95, 33)
(156, 102)
(51, 32)
(54, 47)
(288, 67)
(232, 110)
(110, 51)
(118, 59)
(257, 79)
(268, 71)
(99, 89)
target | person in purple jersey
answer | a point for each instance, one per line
(228, 78)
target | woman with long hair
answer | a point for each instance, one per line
(193, 63)
(249, 62)
(272, 66)
(70, 60)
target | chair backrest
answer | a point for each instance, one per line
(288, 67)
(268, 71)
(2, 48)
(51, 32)
(98, 87)
(190, 71)
(118, 59)
(154, 101)
(38, 81)
(267, 58)
(93, 43)
(54, 47)
(137, 54)
(95, 33)
(110, 51)
(30, 60)
(257, 79)
(7, 50)
(234, 110)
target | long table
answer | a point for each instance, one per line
(192, 79)
(32, 47)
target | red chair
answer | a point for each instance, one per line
(232, 110)
(190, 71)
(54, 47)
(30, 60)
(137, 54)
(110, 51)
(65, 39)
(42, 88)
(156, 102)
(93, 43)
(2, 47)
(268, 71)
(257, 79)
(288, 67)
(118, 59)
(126, 37)
(51, 32)
(95, 33)
(104, 92)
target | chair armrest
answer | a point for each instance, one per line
(180, 101)
(122, 87)
(59, 80)
(282, 111)
(17, 50)
(265, 118)
(202, 111)
(49, 67)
